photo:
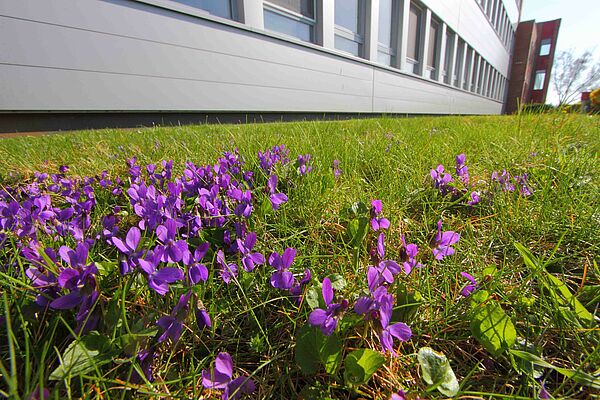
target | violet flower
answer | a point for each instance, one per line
(383, 272)
(461, 169)
(407, 256)
(337, 171)
(282, 278)
(298, 287)
(327, 319)
(503, 180)
(172, 250)
(159, 279)
(376, 222)
(249, 259)
(523, 187)
(172, 324)
(471, 287)
(226, 270)
(443, 241)
(277, 199)
(220, 378)
(378, 310)
(303, 164)
(441, 179)
(474, 198)
(196, 271)
(128, 248)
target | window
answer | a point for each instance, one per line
(468, 60)
(220, 8)
(291, 17)
(545, 46)
(433, 48)
(448, 56)
(385, 46)
(473, 87)
(414, 38)
(458, 63)
(540, 77)
(349, 26)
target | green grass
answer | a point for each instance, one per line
(387, 159)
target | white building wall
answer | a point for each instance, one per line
(124, 55)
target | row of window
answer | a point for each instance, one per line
(459, 65)
(496, 13)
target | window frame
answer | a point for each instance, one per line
(356, 37)
(545, 42)
(234, 8)
(416, 63)
(539, 72)
(294, 16)
(381, 47)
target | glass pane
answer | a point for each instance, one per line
(220, 8)
(304, 7)
(545, 47)
(384, 58)
(449, 53)
(288, 26)
(540, 76)
(414, 27)
(346, 14)
(385, 22)
(433, 44)
(347, 45)
(467, 69)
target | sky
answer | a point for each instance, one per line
(579, 26)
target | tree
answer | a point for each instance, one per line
(574, 74)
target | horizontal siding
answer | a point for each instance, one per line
(121, 55)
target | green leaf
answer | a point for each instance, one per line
(357, 231)
(437, 371)
(578, 376)
(559, 292)
(338, 282)
(360, 365)
(84, 355)
(492, 327)
(314, 349)
(312, 297)
(408, 302)
(479, 297)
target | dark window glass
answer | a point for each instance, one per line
(304, 7)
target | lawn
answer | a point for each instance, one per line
(307, 260)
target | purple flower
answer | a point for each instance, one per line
(461, 169)
(336, 169)
(474, 198)
(159, 279)
(227, 270)
(384, 270)
(268, 159)
(220, 378)
(378, 223)
(523, 187)
(327, 319)
(470, 288)
(504, 180)
(198, 272)
(378, 309)
(407, 255)
(172, 250)
(128, 248)
(277, 199)
(443, 241)
(297, 288)
(303, 164)
(282, 278)
(202, 318)
(173, 324)
(398, 396)
(544, 393)
(441, 179)
(249, 259)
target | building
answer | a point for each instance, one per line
(532, 63)
(72, 64)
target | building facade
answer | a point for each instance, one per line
(93, 57)
(532, 61)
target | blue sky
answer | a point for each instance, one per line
(579, 28)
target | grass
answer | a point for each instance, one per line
(387, 159)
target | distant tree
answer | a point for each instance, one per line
(574, 74)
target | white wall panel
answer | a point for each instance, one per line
(65, 55)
